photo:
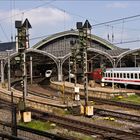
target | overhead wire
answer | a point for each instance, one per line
(124, 42)
(65, 11)
(116, 20)
(42, 5)
(14, 15)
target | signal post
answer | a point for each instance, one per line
(84, 43)
(22, 45)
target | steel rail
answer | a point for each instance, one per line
(85, 126)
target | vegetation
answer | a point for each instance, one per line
(131, 99)
(39, 125)
(43, 126)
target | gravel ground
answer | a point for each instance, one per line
(5, 115)
(122, 125)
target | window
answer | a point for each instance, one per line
(120, 75)
(136, 76)
(124, 75)
(131, 75)
(117, 75)
(108, 74)
(128, 75)
(114, 74)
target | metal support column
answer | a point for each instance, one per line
(114, 65)
(31, 70)
(84, 37)
(69, 71)
(14, 117)
(24, 77)
(9, 71)
(2, 72)
(59, 70)
(85, 77)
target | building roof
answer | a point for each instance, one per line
(73, 32)
(116, 52)
(7, 46)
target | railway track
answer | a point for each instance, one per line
(42, 134)
(118, 115)
(112, 134)
(100, 112)
(96, 100)
(7, 105)
(115, 103)
(48, 92)
(85, 127)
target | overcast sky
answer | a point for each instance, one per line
(51, 16)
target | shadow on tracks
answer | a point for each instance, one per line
(45, 81)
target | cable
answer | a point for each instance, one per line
(34, 38)
(99, 24)
(12, 16)
(28, 10)
(130, 41)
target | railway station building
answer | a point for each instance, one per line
(54, 53)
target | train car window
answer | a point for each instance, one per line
(108, 74)
(111, 74)
(117, 75)
(120, 75)
(131, 75)
(124, 75)
(114, 74)
(128, 75)
(136, 76)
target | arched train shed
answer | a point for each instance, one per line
(54, 51)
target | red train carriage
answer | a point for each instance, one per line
(96, 75)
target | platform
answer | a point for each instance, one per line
(98, 92)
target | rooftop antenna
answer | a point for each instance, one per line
(112, 35)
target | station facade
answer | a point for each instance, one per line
(54, 52)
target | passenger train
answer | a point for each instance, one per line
(48, 73)
(125, 75)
